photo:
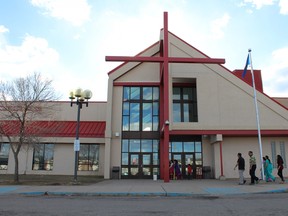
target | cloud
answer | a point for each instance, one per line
(74, 11)
(275, 76)
(283, 4)
(3, 29)
(258, 4)
(218, 25)
(34, 54)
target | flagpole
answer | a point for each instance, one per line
(257, 115)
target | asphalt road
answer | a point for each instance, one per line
(264, 204)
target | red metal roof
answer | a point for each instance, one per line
(88, 129)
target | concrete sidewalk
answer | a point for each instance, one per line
(201, 187)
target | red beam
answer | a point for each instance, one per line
(196, 60)
(134, 58)
(161, 59)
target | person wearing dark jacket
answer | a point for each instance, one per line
(241, 168)
(280, 166)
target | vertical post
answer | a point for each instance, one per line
(257, 116)
(166, 99)
(77, 142)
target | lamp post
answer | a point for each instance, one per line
(81, 97)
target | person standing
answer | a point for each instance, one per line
(241, 168)
(252, 162)
(280, 168)
(269, 169)
(189, 171)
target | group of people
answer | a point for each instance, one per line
(175, 171)
(268, 168)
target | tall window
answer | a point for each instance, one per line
(140, 109)
(43, 157)
(282, 152)
(88, 157)
(185, 104)
(4, 155)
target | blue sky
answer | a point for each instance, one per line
(67, 40)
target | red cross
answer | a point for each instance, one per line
(164, 60)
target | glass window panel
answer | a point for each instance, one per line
(155, 123)
(94, 157)
(194, 94)
(146, 171)
(282, 152)
(124, 171)
(198, 158)
(135, 93)
(124, 158)
(134, 145)
(186, 112)
(88, 157)
(125, 123)
(156, 171)
(155, 159)
(126, 108)
(146, 146)
(134, 159)
(147, 117)
(155, 93)
(176, 146)
(176, 93)
(43, 157)
(4, 155)
(126, 93)
(187, 93)
(198, 147)
(155, 146)
(134, 117)
(155, 108)
(146, 159)
(188, 146)
(147, 93)
(176, 112)
(134, 171)
(124, 145)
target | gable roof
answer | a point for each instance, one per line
(219, 116)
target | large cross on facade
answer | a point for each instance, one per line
(164, 59)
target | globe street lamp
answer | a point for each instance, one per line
(81, 97)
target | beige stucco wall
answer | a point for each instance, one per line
(63, 164)
(64, 146)
(232, 145)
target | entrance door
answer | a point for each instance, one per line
(189, 159)
(140, 165)
(183, 160)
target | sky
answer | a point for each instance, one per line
(67, 40)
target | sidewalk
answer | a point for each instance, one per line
(201, 187)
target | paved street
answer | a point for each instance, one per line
(230, 205)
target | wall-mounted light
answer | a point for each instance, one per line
(167, 122)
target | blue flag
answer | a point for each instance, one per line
(247, 63)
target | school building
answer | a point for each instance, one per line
(171, 101)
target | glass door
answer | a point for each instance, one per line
(178, 168)
(140, 165)
(189, 163)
